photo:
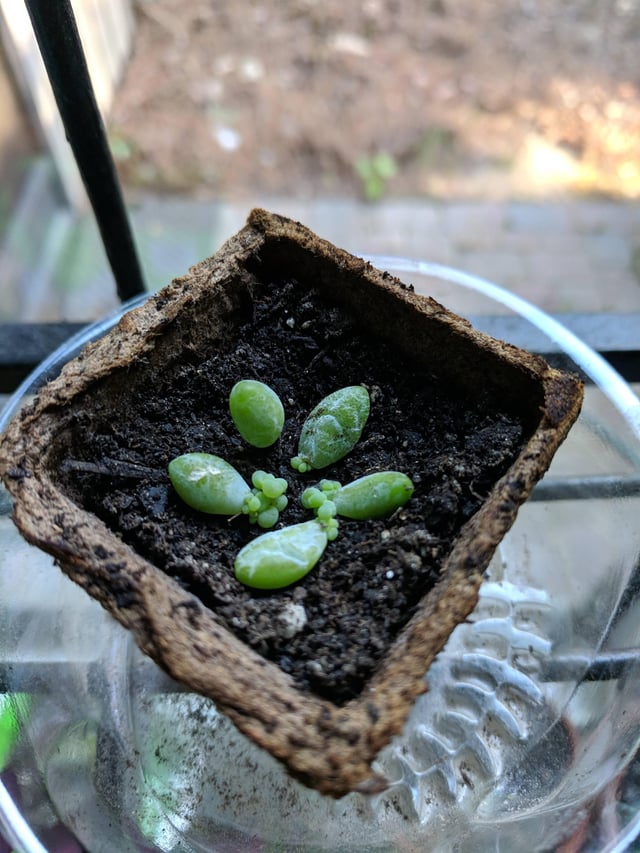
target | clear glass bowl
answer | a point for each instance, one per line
(528, 735)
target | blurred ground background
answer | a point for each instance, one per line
(501, 137)
(446, 97)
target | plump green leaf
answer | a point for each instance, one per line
(208, 483)
(281, 557)
(257, 412)
(332, 428)
(373, 496)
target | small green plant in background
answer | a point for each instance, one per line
(436, 151)
(121, 148)
(279, 558)
(375, 172)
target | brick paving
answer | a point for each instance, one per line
(573, 256)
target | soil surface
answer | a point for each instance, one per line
(369, 581)
(300, 97)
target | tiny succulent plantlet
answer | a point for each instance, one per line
(266, 500)
(320, 499)
(332, 428)
(281, 557)
(257, 412)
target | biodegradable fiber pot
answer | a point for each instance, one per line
(476, 420)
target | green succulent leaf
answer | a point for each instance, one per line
(208, 484)
(281, 557)
(332, 428)
(257, 412)
(373, 496)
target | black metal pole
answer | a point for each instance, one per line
(56, 31)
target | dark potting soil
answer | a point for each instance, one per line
(331, 629)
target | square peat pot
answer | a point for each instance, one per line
(323, 673)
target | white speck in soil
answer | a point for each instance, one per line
(291, 619)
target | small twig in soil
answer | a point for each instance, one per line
(114, 468)
(316, 358)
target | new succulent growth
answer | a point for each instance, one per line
(266, 500)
